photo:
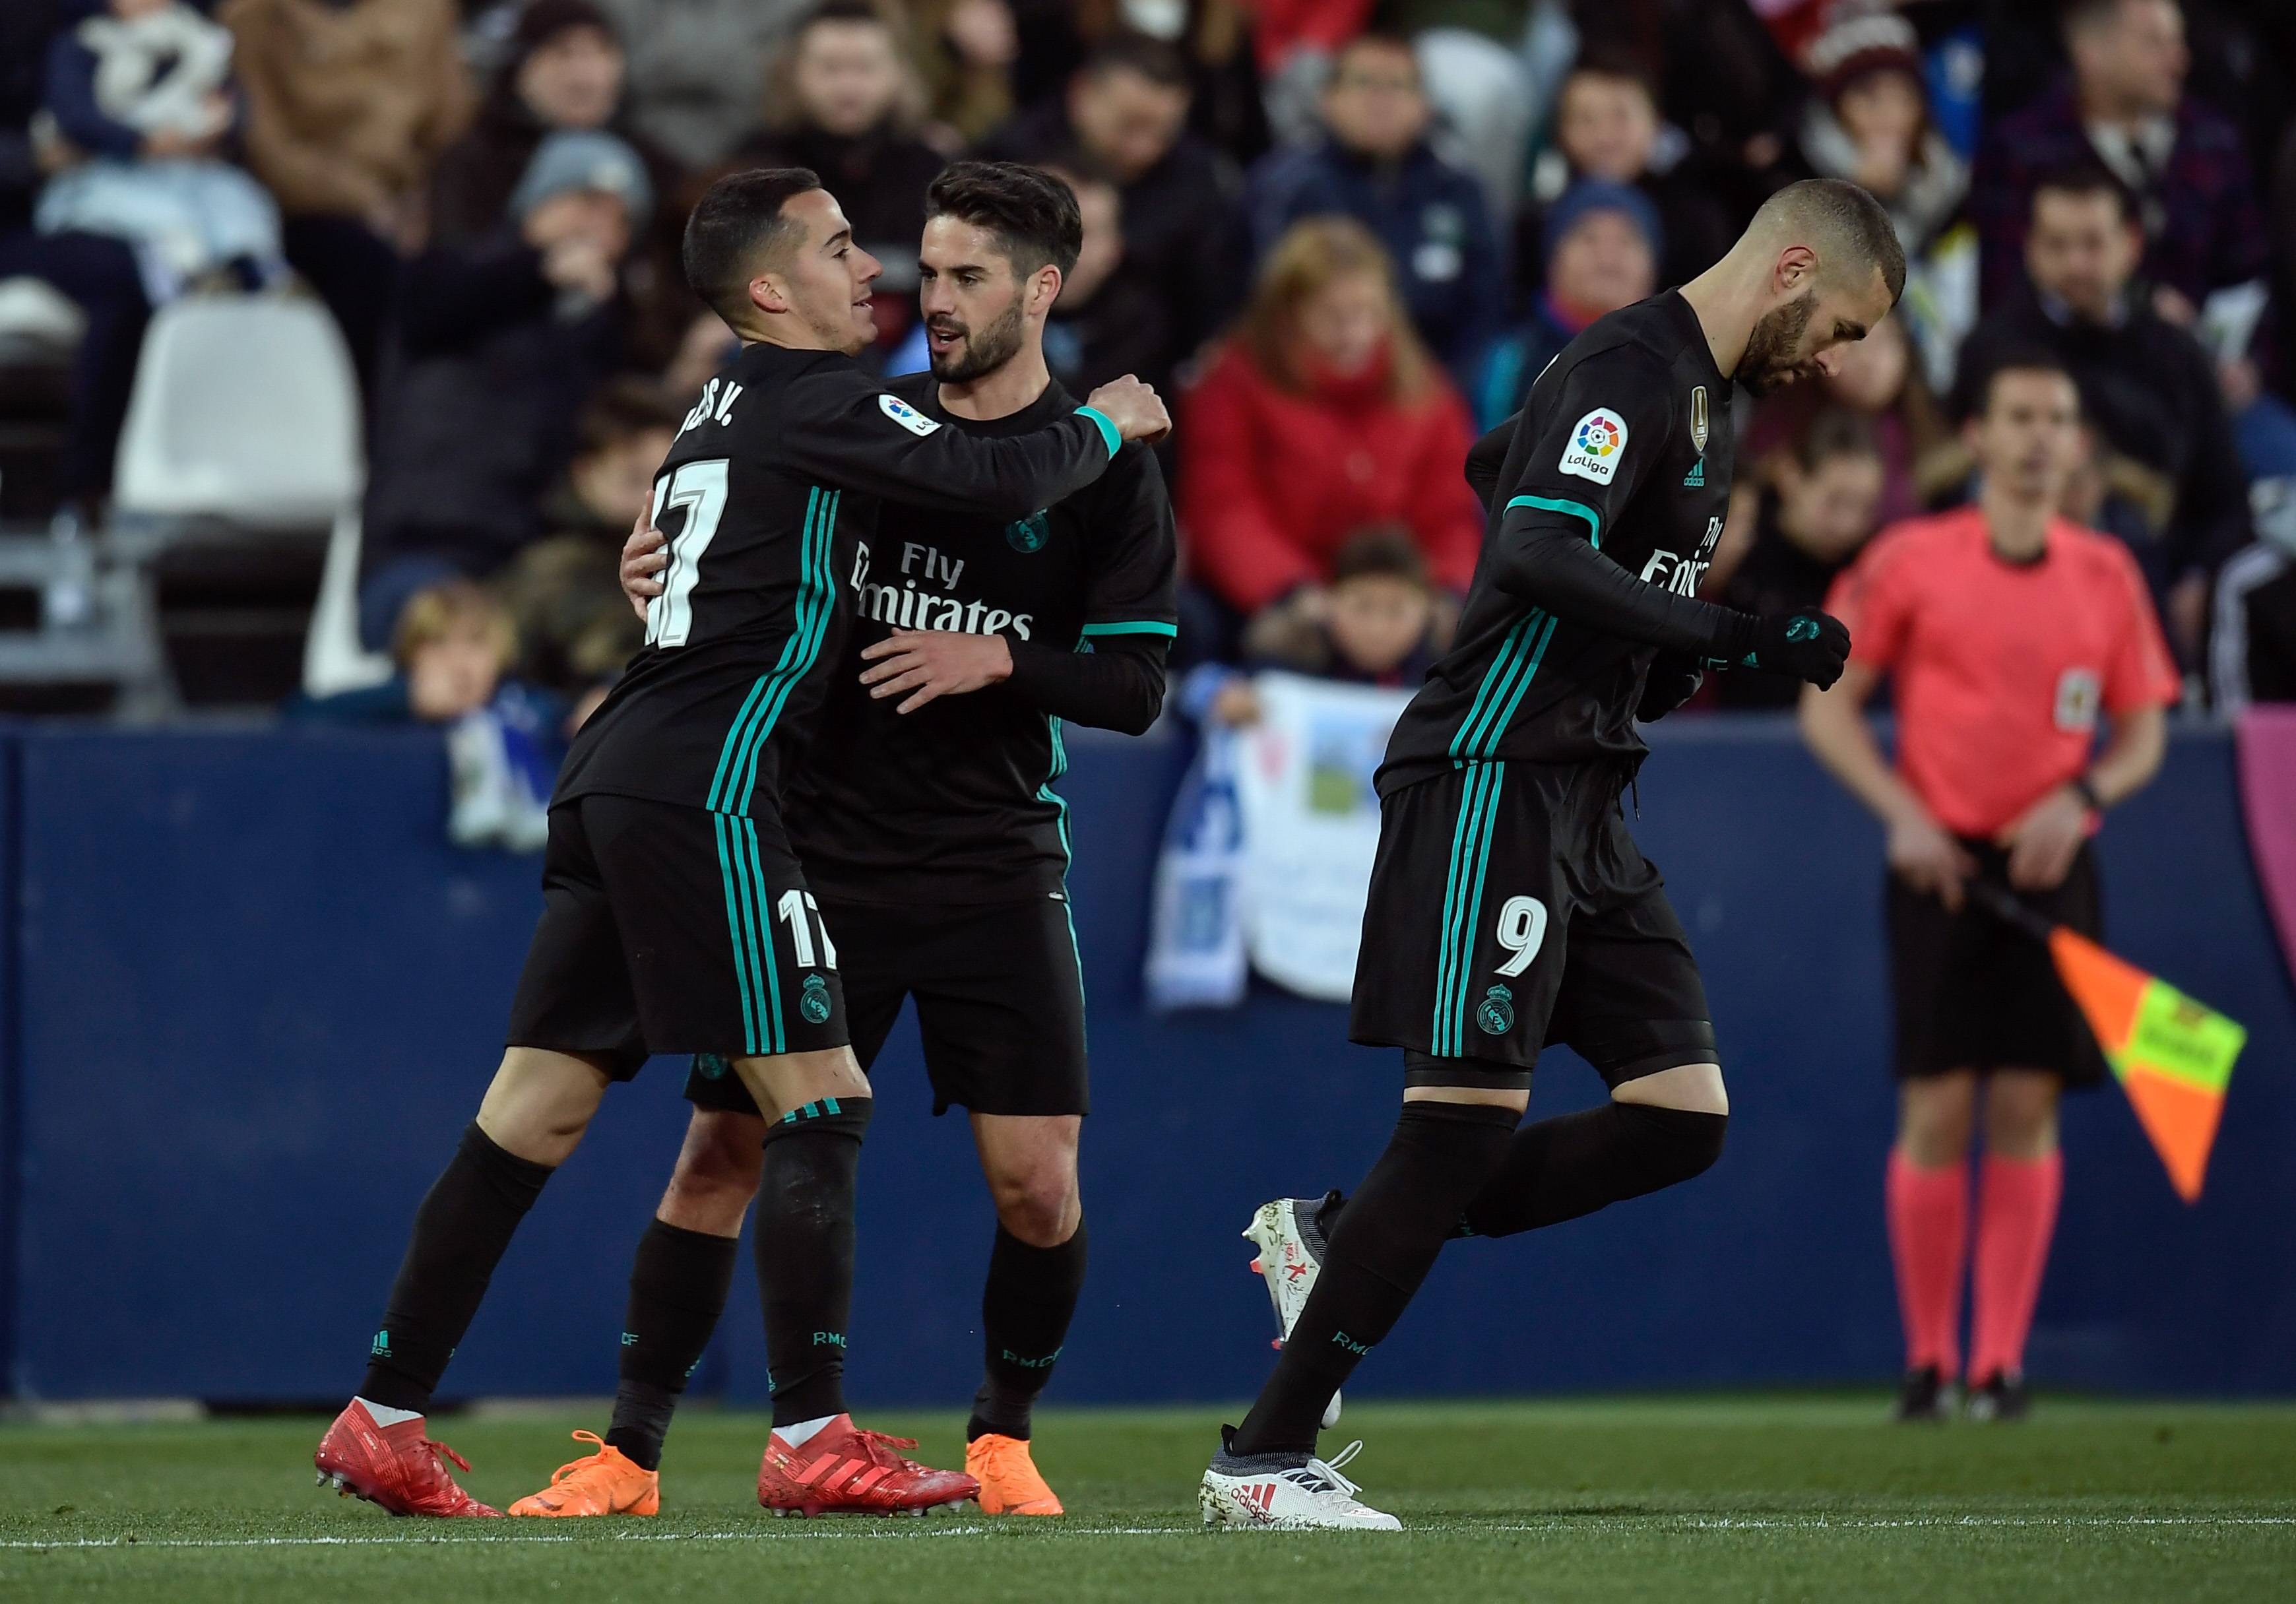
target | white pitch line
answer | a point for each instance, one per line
(1448, 1528)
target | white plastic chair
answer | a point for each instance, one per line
(245, 410)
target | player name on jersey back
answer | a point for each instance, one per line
(764, 499)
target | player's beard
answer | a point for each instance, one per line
(1769, 363)
(983, 351)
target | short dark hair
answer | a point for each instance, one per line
(1375, 38)
(1126, 50)
(1382, 549)
(1032, 213)
(1849, 224)
(842, 11)
(2021, 359)
(1835, 432)
(2082, 180)
(626, 407)
(1602, 60)
(737, 227)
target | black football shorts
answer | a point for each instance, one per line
(1509, 908)
(675, 930)
(1000, 1002)
(1972, 994)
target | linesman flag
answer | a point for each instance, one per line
(2171, 1055)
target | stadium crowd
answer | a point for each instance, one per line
(1341, 235)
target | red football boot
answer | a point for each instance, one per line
(395, 1466)
(843, 1470)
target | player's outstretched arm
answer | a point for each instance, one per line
(843, 430)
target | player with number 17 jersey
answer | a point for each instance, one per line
(764, 500)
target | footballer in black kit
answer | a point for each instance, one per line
(933, 839)
(934, 847)
(1509, 906)
(675, 916)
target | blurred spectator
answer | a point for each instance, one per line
(694, 67)
(852, 105)
(2125, 106)
(1607, 125)
(500, 345)
(1492, 67)
(1378, 622)
(575, 627)
(1213, 37)
(1877, 379)
(452, 644)
(1815, 516)
(1124, 116)
(139, 102)
(1725, 82)
(564, 71)
(1602, 246)
(349, 103)
(1323, 415)
(969, 53)
(1374, 164)
(2146, 388)
(25, 28)
(1295, 41)
(1870, 122)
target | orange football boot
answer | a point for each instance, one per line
(395, 1466)
(1008, 1479)
(608, 1482)
(843, 1470)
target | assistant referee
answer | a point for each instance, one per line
(2007, 632)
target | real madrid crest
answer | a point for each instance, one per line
(1698, 420)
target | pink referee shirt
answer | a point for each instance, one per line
(2000, 668)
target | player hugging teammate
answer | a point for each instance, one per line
(677, 917)
(1509, 906)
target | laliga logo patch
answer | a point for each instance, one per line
(907, 416)
(814, 1004)
(1595, 446)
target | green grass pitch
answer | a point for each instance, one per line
(1677, 1499)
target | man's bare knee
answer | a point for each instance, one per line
(1031, 1163)
(540, 1102)
(716, 1173)
(1041, 1208)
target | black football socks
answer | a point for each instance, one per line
(1575, 1163)
(464, 1223)
(1025, 1310)
(805, 1253)
(679, 1283)
(1386, 1241)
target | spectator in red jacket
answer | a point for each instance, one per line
(1323, 415)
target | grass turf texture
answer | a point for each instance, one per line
(1679, 1500)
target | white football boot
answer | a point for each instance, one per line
(1291, 1257)
(1314, 1497)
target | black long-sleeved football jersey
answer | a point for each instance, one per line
(1606, 495)
(764, 498)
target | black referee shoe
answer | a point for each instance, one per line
(2000, 1397)
(1925, 1394)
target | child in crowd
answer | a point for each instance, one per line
(138, 103)
(575, 627)
(1814, 516)
(454, 646)
(1607, 125)
(1602, 248)
(1378, 622)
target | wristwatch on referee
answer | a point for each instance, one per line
(2082, 787)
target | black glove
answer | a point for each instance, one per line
(1673, 680)
(1809, 645)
